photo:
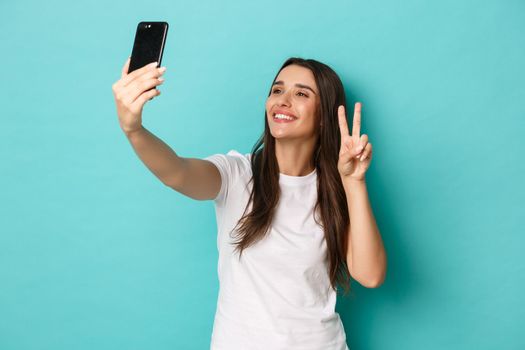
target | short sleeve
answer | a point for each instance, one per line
(231, 166)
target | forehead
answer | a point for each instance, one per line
(294, 74)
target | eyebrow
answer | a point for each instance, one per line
(280, 82)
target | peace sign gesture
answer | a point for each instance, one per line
(356, 152)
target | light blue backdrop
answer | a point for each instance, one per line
(96, 253)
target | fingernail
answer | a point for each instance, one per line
(162, 69)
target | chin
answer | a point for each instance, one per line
(282, 136)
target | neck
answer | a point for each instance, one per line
(295, 157)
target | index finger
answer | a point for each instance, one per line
(125, 68)
(343, 126)
(356, 129)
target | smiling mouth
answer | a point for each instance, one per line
(283, 117)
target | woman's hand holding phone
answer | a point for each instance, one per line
(133, 90)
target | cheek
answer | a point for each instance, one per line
(309, 110)
(268, 105)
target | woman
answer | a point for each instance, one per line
(293, 215)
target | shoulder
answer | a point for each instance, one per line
(233, 166)
(234, 156)
(245, 158)
(231, 163)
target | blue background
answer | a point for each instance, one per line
(96, 253)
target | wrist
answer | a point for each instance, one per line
(350, 184)
(131, 132)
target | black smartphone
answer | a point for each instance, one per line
(148, 46)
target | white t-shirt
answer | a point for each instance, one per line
(278, 296)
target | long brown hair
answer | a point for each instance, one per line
(331, 197)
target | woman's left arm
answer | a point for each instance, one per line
(366, 256)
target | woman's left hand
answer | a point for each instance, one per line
(356, 152)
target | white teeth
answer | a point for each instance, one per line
(282, 116)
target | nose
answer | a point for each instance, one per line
(283, 99)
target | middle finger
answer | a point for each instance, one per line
(152, 74)
(147, 73)
(133, 91)
(356, 129)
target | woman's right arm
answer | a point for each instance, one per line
(196, 178)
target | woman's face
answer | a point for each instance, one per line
(294, 94)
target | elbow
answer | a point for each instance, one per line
(376, 283)
(374, 277)
(378, 278)
(373, 282)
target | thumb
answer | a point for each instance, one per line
(125, 68)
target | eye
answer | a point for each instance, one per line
(298, 93)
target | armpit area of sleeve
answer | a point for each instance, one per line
(221, 163)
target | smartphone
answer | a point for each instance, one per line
(148, 46)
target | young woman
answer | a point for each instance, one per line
(293, 216)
